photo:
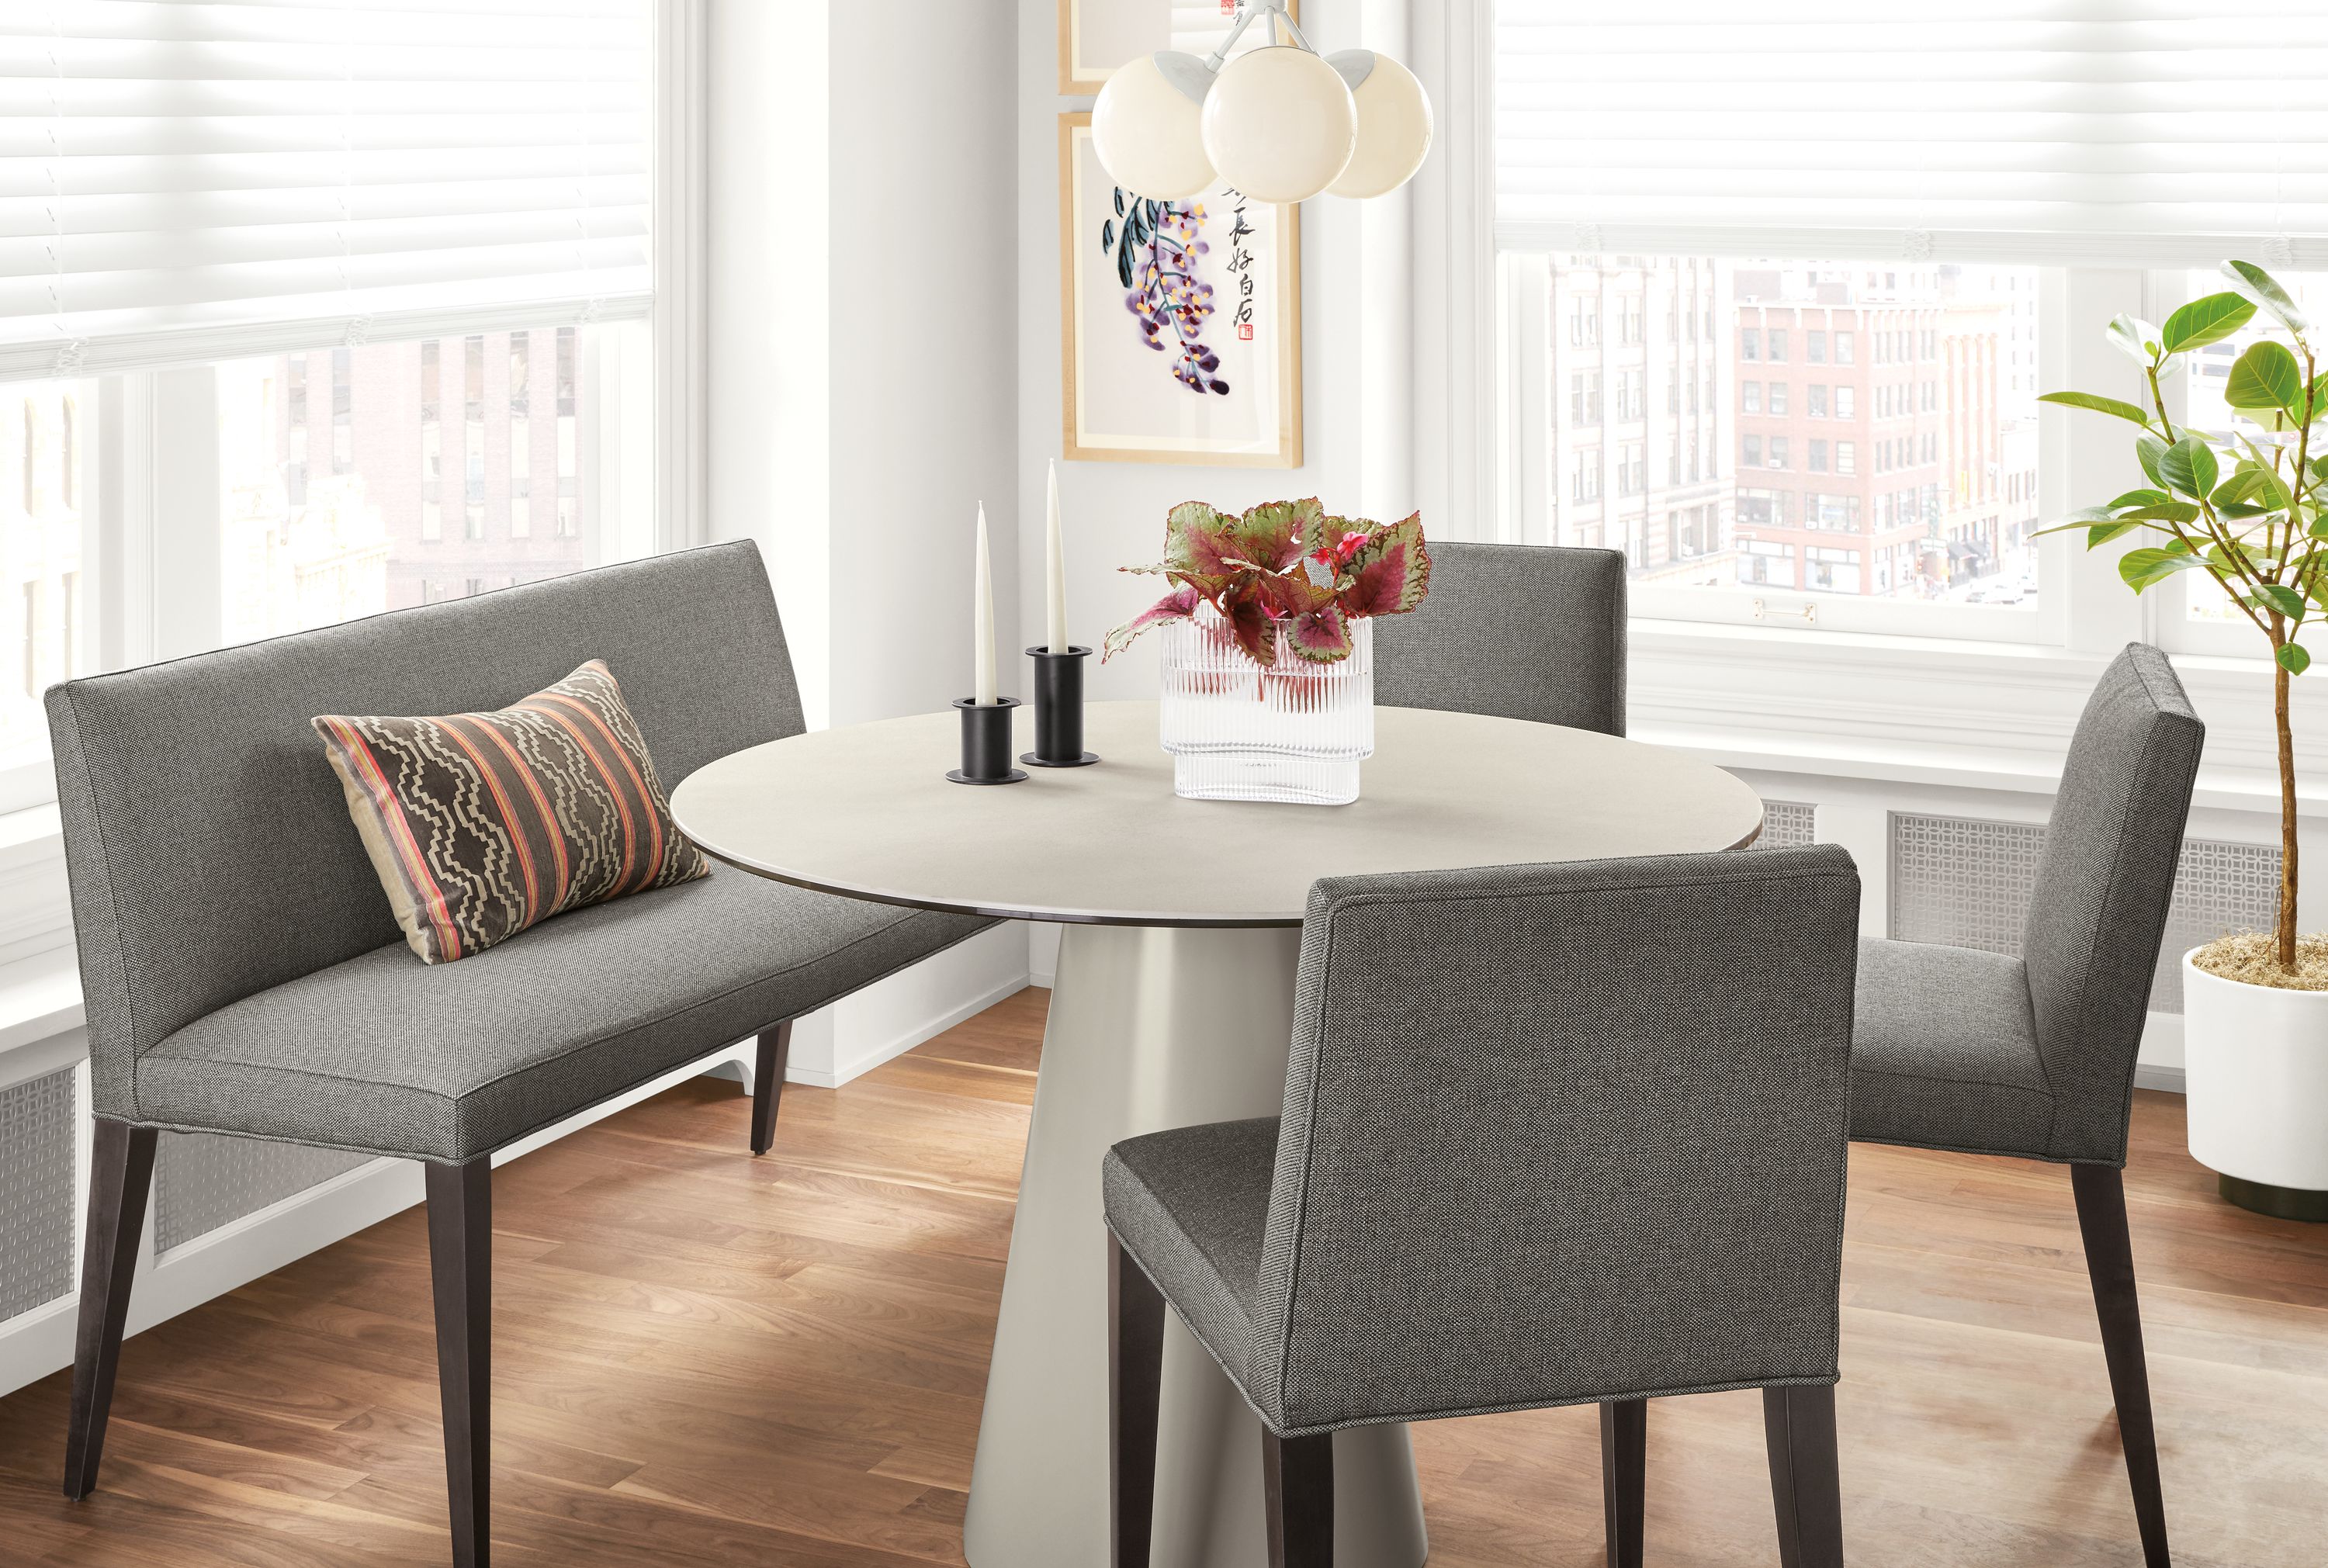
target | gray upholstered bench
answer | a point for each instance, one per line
(242, 974)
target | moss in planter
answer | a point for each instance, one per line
(2252, 958)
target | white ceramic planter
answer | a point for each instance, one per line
(2256, 1070)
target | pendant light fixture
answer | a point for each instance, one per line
(1280, 123)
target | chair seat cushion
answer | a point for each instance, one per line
(388, 1055)
(1192, 1204)
(1944, 1051)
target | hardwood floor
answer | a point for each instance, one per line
(700, 1359)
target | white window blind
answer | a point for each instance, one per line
(184, 181)
(2132, 132)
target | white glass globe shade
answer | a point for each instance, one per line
(1279, 124)
(1394, 131)
(1149, 133)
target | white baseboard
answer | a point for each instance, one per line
(2157, 1076)
(863, 1061)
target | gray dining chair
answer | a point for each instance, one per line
(1553, 1135)
(242, 972)
(2033, 1057)
(1514, 631)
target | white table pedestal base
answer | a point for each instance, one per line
(1150, 1028)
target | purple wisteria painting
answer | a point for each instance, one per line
(1181, 321)
(1159, 249)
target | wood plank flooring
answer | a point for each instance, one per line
(705, 1359)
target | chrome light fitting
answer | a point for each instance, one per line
(1280, 123)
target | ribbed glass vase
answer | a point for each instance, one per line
(1295, 731)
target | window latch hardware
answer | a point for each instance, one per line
(1808, 612)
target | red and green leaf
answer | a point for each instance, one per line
(1390, 571)
(1176, 605)
(1320, 636)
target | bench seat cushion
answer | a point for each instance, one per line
(386, 1055)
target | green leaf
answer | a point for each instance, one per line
(2254, 283)
(2293, 658)
(2242, 485)
(2136, 337)
(2101, 534)
(2138, 498)
(2188, 466)
(2206, 321)
(2154, 564)
(2123, 409)
(2283, 598)
(2148, 451)
(2265, 376)
(2163, 511)
(2270, 488)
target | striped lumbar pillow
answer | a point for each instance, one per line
(481, 824)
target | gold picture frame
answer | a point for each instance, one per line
(1122, 29)
(1141, 383)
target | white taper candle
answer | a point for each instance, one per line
(1058, 569)
(983, 622)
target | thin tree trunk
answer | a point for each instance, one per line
(2279, 679)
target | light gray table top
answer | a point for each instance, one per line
(866, 812)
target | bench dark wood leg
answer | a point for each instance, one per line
(1135, 1378)
(768, 1084)
(461, 1260)
(120, 1176)
(2100, 1193)
(1799, 1426)
(1624, 1477)
(1298, 1477)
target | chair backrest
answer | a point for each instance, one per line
(1561, 1134)
(1516, 631)
(2103, 881)
(207, 842)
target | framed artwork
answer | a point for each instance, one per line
(1182, 329)
(1096, 36)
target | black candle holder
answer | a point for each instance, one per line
(1058, 709)
(986, 742)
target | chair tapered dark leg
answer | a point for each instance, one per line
(1624, 1477)
(1805, 1485)
(1298, 1478)
(1135, 1377)
(461, 1260)
(120, 1176)
(2109, 1262)
(768, 1084)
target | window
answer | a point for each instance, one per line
(1584, 398)
(1778, 451)
(1817, 456)
(1587, 485)
(1815, 403)
(1777, 398)
(1777, 344)
(304, 412)
(1831, 512)
(1749, 396)
(1830, 571)
(1842, 348)
(1750, 343)
(1842, 402)
(41, 546)
(1630, 400)
(1632, 469)
(1847, 457)
(1584, 322)
(1814, 346)
(1750, 450)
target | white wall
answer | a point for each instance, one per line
(864, 306)
(1356, 358)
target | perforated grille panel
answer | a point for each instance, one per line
(2218, 888)
(202, 1181)
(39, 1119)
(1968, 882)
(1962, 881)
(1787, 824)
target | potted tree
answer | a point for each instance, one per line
(2245, 507)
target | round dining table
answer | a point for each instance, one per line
(1172, 1005)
